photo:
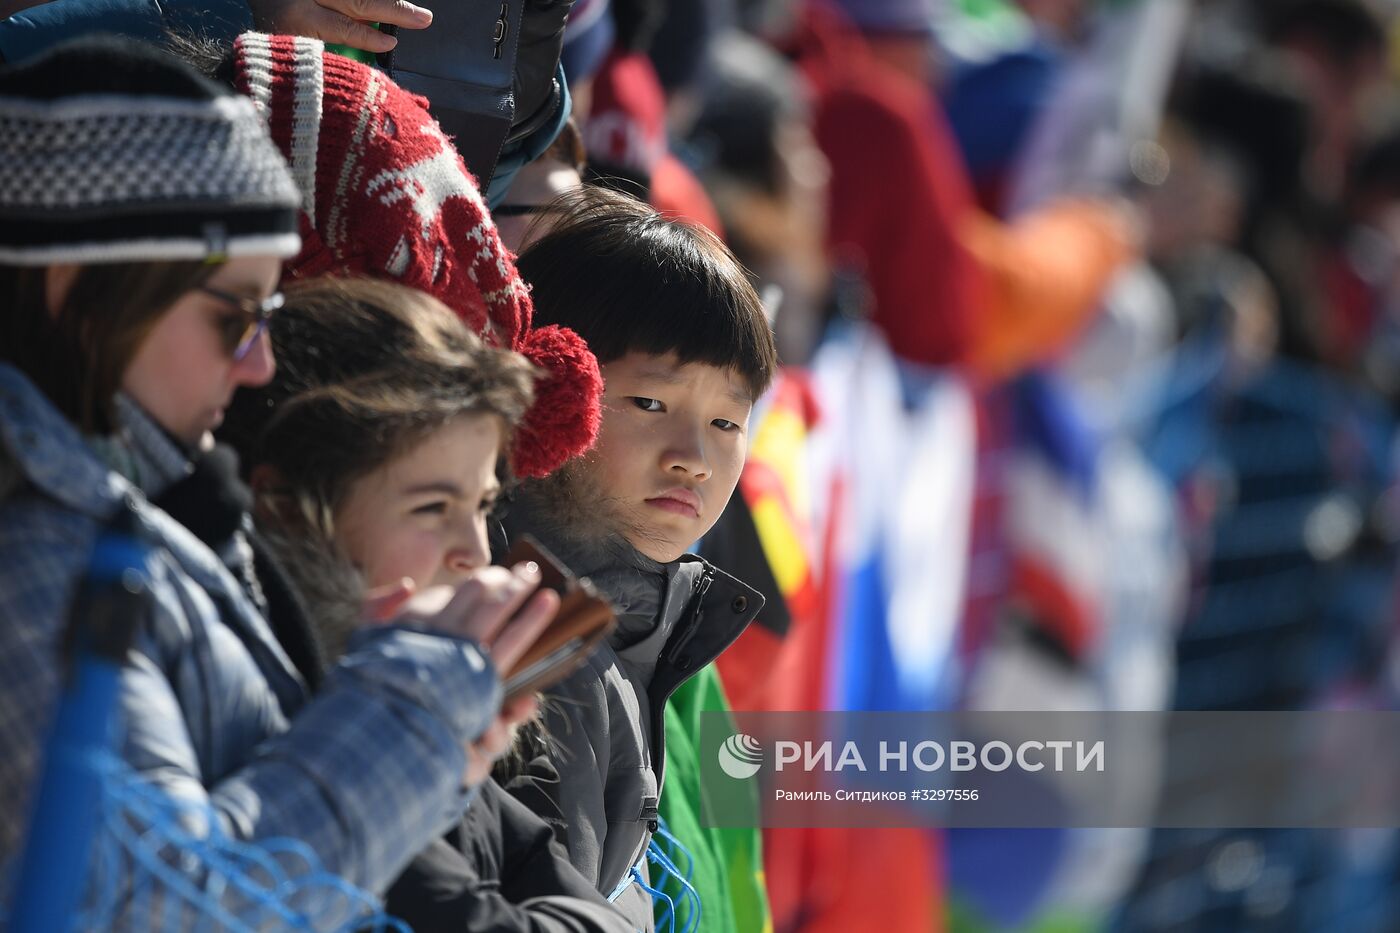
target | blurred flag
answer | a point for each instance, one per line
(863, 516)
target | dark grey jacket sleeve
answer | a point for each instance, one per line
(594, 725)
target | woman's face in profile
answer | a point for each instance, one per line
(184, 373)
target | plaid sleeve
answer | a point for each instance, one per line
(36, 574)
(365, 774)
(368, 772)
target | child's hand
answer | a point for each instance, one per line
(383, 603)
(488, 610)
(495, 741)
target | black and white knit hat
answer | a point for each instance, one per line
(115, 152)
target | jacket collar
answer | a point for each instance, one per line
(691, 632)
(725, 607)
(44, 448)
(141, 451)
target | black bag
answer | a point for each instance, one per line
(487, 68)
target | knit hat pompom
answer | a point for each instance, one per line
(386, 194)
(567, 411)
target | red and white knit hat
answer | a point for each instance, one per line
(385, 194)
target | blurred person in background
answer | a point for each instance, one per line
(526, 214)
(1237, 141)
(1330, 55)
(1361, 334)
(628, 127)
(1262, 422)
(1338, 49)
(753, 143)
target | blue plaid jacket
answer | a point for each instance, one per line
(366, 773)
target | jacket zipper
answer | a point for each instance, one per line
(658, 719)
(658, 704)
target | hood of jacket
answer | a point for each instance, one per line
(325, 582)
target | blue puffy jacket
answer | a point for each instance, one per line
(366, 773)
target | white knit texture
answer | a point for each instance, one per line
(109, 153)
(352, 169)
(257, 67)
(306, 119)
(281, 245)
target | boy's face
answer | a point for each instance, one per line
(670, 449)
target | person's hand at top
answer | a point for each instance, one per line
(495, 608)
(497, 739)
(340, 22)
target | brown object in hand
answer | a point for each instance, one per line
(584, 619)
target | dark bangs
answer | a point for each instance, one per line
(628, 280)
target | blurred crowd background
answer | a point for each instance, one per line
(1090, 316)
(1089, 312)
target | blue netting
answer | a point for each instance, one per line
(159, 863)
(672, 864)
(108, 849)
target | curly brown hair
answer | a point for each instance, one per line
(365, 370)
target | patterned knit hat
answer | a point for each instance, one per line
(385, 194)
(118, 153)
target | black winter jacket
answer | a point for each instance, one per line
(499, 870)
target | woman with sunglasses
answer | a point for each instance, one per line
(144, 217)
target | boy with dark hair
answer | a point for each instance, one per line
(685, 351)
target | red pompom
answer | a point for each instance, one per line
(563, 421)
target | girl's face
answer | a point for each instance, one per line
(422, 515)
(184, 374)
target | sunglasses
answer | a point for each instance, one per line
(240, 331)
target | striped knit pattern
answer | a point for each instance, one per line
(113, 178)
(293, 67)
